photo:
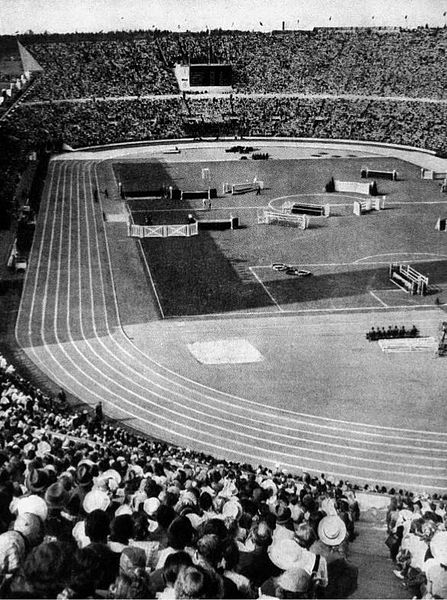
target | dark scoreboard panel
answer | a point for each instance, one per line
(209, 75)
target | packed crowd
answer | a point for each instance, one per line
(90, 510)
(98, 122)
(358, 61)
(102, 122)
(417, 540)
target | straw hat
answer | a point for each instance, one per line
(285, 554)
(95, 499)
(331, 530)
(34, 505)
(295, 580)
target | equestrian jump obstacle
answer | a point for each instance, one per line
(176, 194)
(408, 279)
(162, 231)
(303, 208)
(365, 173)
(242, 188)
(278, 218)
(429, 174)
(141, 194)
(368, 189)
(219, 224)
(361, 207)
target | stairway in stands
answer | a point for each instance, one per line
(371, 556)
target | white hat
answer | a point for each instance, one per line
(331, 530)
(33, 504)
(269, 484)
(124, 509)
(137, 469)
(150, 506)
(78, 533)
(112, 474)
(232, 509)
(95, 499)
(438, 547)
(285, 554)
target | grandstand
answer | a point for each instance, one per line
(164, 388)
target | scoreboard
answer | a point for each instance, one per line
(210, 75)
(204, 77)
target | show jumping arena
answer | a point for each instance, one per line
(198, 341)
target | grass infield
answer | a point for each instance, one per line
(230, 271)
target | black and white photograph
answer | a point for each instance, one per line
(223, 299)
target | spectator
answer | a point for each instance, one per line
(196, 582)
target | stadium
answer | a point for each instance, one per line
(224, 313)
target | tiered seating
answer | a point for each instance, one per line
(91, 509)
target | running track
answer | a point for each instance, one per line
(69, 326)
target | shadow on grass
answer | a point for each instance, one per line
(195, 276)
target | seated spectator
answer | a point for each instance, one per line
(294, 583)
(284, 525)
(173, 564)
(332, 540)
(132, 585)
(256, 564)
(44, 573)
(196, 582)
(140, 539)
(288, 554)
(85, 577)
(97, 530)
(180, 537)
(121, 531)
(230, 560)
(27, 532)
(57, 527)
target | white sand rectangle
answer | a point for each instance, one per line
(219, 352)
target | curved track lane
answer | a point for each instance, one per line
(69, 325)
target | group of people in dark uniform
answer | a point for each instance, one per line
(380, 333)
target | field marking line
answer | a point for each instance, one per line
(378, 299)
(357, 262)
(259, 432)
(296, 312)
(403, 254)
(99, 261)
(217, 390)
(332, 420)
(265, 289)
(149, 272)
(415, 202)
